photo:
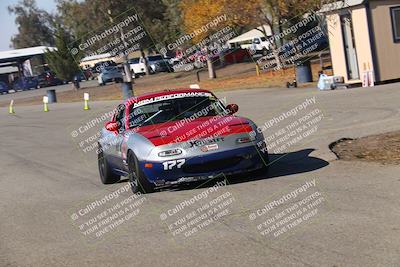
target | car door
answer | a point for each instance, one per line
(115, 147)
(121, 137)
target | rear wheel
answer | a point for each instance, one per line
(106, 174)
(136, 176)
(264, 52)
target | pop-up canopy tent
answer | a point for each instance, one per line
(17, 57)
(244, 40)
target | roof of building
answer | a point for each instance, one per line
(250, 35)
(96, 57)
(340, 5)
(23, 53)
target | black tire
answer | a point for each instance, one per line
(137, 179)
(106, 174)
(264, 52)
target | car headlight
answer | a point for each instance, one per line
(169, 153)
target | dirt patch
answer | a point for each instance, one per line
(382, 148)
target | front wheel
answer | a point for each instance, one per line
(106, 174)
(137, 179)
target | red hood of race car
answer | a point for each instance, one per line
(200, 128)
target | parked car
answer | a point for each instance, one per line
(147, 140)
(25, 83)
(260, 45)
(137, 66)
(3, 88)
(158, 63)
(99, 66)
(236, 55)
(110, 74)
(199, 58)
(49, 78)
(84, 75)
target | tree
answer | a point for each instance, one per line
(198, 13)
(294, 8)
(171, 24)
(276, 13)
(85, 18)
(34, 25)
(61, 60)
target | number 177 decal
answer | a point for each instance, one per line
(169, 165)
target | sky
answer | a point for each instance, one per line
(7, 21)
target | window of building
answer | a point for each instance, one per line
(395, 13)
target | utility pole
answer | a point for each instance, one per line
(127, 88)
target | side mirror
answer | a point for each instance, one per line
(233, 108)
(112, 126)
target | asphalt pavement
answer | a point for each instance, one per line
(309, 210)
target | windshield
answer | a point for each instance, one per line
(175, 109)
(110, 69)
(134, 61)
(155, 58)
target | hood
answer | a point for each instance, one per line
(200, 128)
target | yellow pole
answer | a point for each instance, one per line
(86, 99)
(11, 107)
(45, 102)
(258, 69)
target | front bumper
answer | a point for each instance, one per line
(207, 166)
